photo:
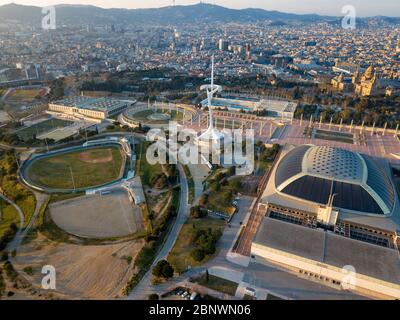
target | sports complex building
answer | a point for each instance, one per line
(325, 209)
(97, 108)
(274, 108)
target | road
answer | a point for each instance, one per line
(145, 287)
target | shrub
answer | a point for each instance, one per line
(197, 254)
(196, 212)
(163, 269)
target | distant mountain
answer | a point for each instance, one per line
(199, 13)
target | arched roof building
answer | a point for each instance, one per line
(356, 182)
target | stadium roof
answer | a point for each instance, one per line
(95, 104)
(357, 182)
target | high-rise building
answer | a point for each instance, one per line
(223, 45)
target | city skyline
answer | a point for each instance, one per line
(333, 8)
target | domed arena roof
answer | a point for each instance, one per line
(357, 181)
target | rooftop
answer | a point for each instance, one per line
(325, 247)
(96, 104)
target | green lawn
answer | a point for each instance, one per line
(42, 127)
(218, 284)
(27, 205)
(55, 171)
(25, 94)
(179, 256)
(145, 170)
(8, 215)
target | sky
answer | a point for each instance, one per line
(325, 7)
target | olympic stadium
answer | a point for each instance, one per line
(325, 208)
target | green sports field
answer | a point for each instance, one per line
(78, 169)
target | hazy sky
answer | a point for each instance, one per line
(327, 7)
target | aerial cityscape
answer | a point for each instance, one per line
(199, 151)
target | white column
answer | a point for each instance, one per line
(330, 123)
(351, 125)
(373, 129)
(397, 129)
(341, 123)
(384, 129)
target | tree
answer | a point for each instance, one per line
(154, 296)
(167, 271)
(197, 254)
(203, 201)
(215, 186)
(163, 269)
(235, 184)
(197, 213)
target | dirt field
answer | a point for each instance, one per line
(98, 216)
(82, 272)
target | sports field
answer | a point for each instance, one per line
(26, 94)
(78, 169)
(42, 127)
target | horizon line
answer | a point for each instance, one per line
(188, 5)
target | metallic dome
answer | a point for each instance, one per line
(314, 173)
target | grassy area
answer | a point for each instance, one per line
(218, 284)
(25, 94)
(27, 205)
(91, 167)
(57, 197)
(14, 190)
(42, 127)
(9, 215)
(145, 170)
(179, 256)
